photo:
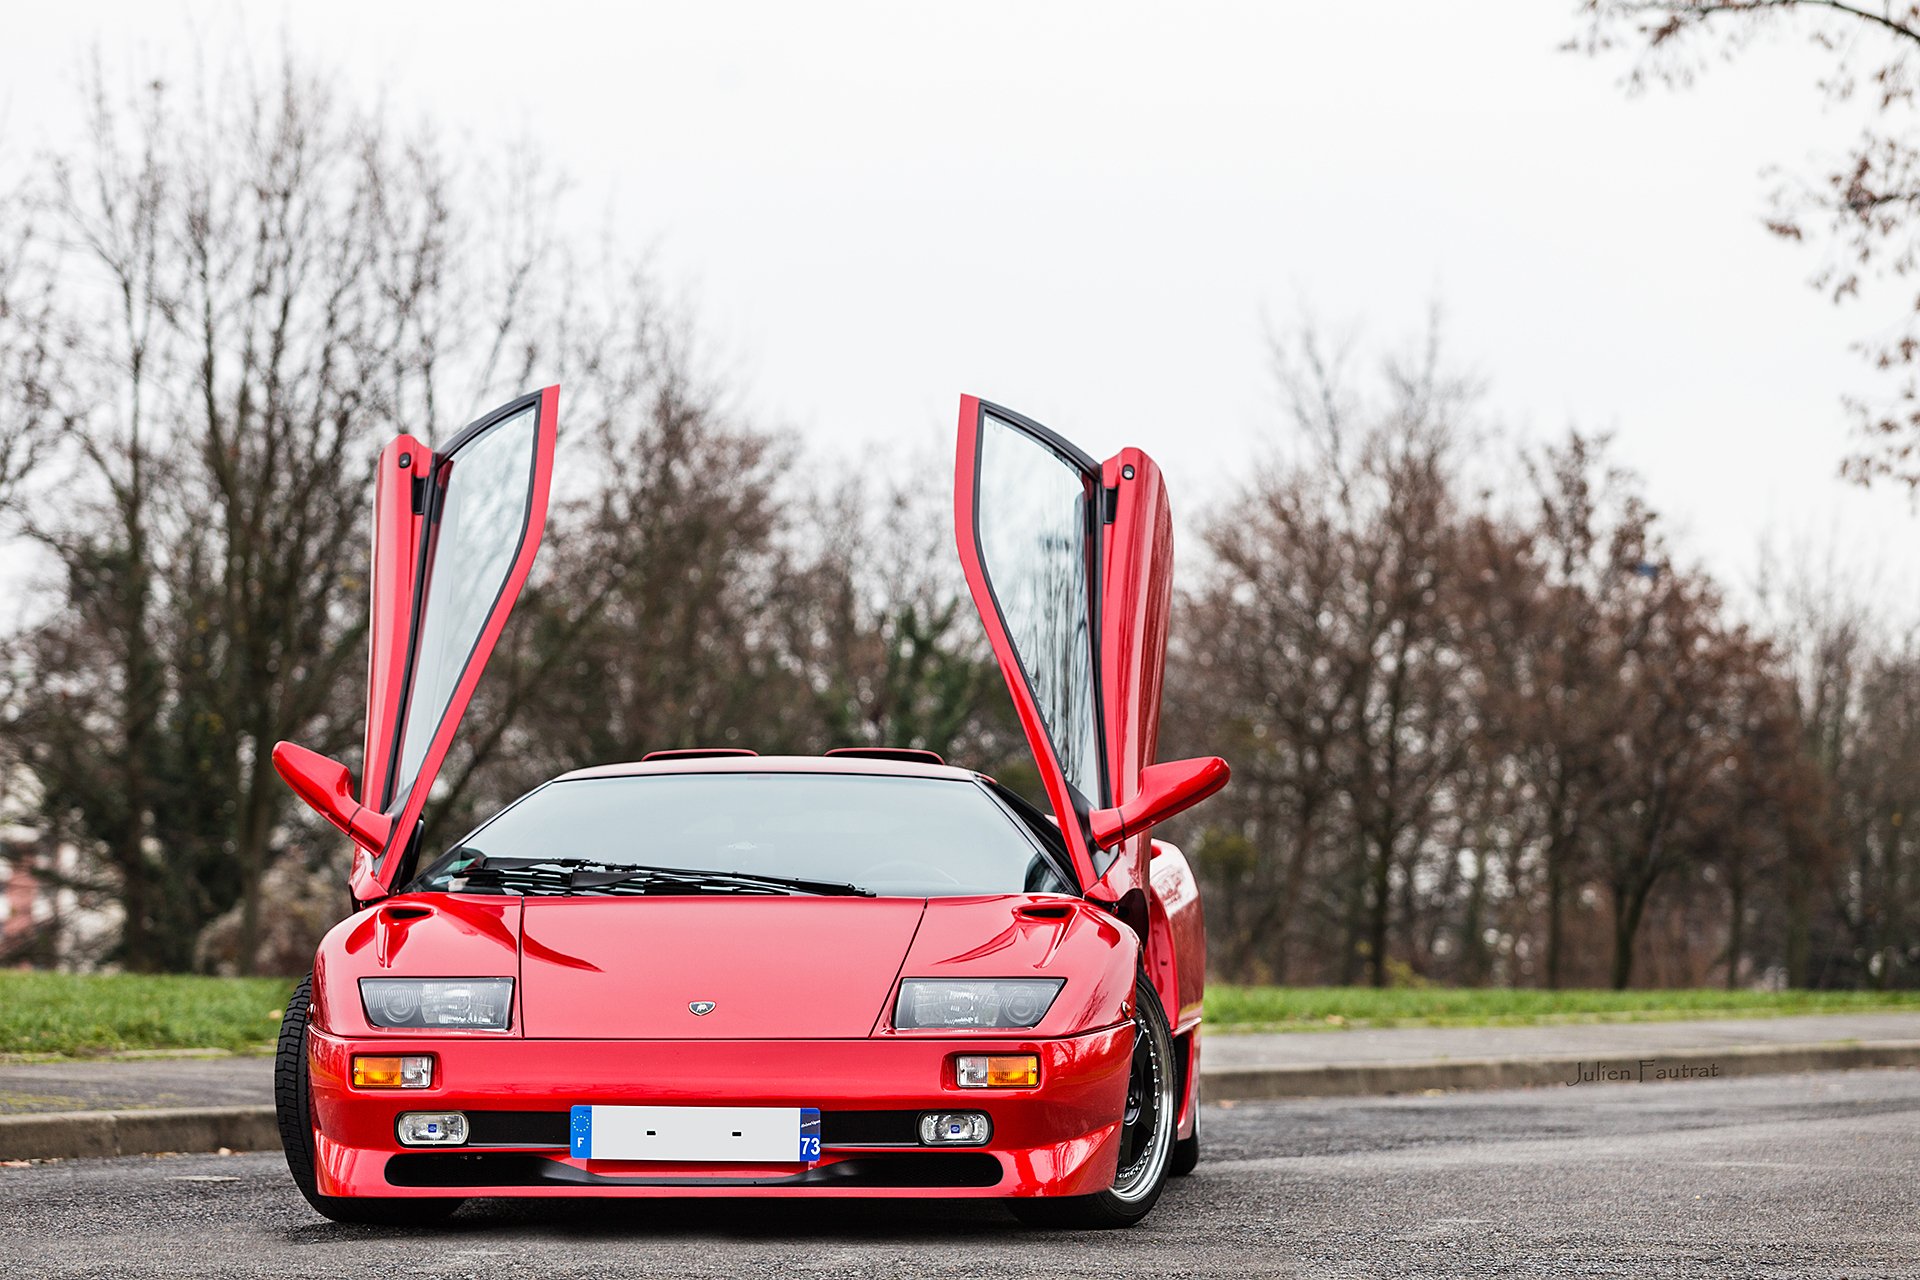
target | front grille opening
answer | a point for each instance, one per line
(956, 1169)
(517, 1128)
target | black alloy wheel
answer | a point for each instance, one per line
(1146, 1134)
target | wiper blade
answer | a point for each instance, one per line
(743, 879)
(561, 874)
(541, 875)
(487, 862)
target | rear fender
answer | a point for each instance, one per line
(1176, 938)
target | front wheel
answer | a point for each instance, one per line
(1146, 1134)
(1186, 1151)
(294, 1112)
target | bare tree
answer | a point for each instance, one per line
(876, 613)
(1255, 671)
(641, 629)
(30, 348)
(1326, 643)
(260, 285)
(1867, 206)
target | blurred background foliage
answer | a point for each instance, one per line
(1488, 726)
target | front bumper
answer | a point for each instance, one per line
(1058, 1138)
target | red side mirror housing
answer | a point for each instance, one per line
(327, 788)
(1165, 789)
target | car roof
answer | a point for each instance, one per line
(774, 764)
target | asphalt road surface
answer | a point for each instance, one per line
(1815, 1175)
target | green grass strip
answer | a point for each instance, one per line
(81, 1014)
(1323, 1008)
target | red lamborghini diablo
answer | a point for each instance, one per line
(712, 973)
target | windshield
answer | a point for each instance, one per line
(892, 836)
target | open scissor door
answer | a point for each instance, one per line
(455, 535)
(1070, 562)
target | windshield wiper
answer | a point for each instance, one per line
(744, 879)
(539, 875)
(560, 875)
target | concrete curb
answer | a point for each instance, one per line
(73, 1134)
(68, 1134)
(1350, 1079)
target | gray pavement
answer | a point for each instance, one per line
(1600, 1039)
(134, 1084)
(1800, 1176)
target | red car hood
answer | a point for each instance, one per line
(772, 967)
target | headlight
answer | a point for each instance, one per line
(474, 1004)
(998, 1002)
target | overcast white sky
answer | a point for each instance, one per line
(1095, 212)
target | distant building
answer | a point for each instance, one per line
(42, 924)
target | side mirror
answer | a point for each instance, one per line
(327, 788)
(1165, 789)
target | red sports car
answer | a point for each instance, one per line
(713, 973)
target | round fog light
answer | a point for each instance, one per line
(432, 1129)
(955, 1129)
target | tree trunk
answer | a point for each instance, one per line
(136, 896)
(1799, 947)
(1628, 907)
(1379, 908)
(1473, 946)
(1556, 910)
(252, 852)
(1736, 932)
(1352, 958)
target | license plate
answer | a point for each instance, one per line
(738, 1135)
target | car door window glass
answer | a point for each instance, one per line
(1034, 517)
(485, 490)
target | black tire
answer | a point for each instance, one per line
(1186, 1151)
(295, 1115)
(1146, 1151)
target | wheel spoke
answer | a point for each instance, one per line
(1144, 1140)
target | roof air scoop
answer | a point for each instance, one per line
(912, 755)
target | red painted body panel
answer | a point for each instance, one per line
(1177, 947)
(426, 935)
(774, 967)
(1176, 905)
(808, 979)
(327, 788)
(1022, 936)
(396, 560)
(1056, 1139)
(1136, 586)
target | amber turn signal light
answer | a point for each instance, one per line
(414, 1071)
(998, 1071)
